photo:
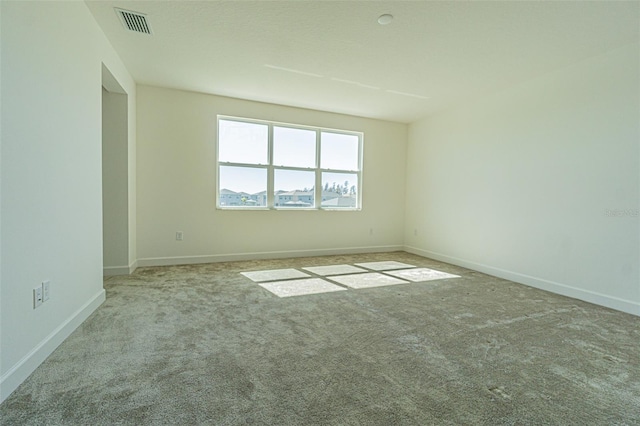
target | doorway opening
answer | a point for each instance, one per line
(115, 176)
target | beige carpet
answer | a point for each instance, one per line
(204, 344)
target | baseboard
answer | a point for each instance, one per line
(133, 266)
(616, 303)
(188, 260)
(109, 271)
(27, 365)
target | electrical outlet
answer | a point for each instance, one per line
(179, 236)
(370, 231)
(37, 297)
(46, 290)
(415, 232)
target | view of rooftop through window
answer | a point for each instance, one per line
(305, 167)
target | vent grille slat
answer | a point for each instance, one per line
(134, 21)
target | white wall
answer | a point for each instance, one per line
(1, 202)
(176, 186)
(115, 117)
(52, 55)
(115, 181)
(518, 184)
(132, 175)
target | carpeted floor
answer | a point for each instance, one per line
(202, 344)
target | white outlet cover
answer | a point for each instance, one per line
(46, 290)
(37, 297)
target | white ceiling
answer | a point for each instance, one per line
(334, 56)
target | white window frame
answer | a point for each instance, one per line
(270, 167)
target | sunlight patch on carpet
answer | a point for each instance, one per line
(334, 270)
(274, 275)
(368, 280)
(385, 265)
(421, 274)
(300, 287)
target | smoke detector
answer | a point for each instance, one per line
(134, 21)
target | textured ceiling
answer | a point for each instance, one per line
(334, 56)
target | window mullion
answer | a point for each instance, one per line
(318, 192)
(270, 171)
(360, 167)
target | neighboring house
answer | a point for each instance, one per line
(329, 195)
(344, 201)
(285, 199)
(294, 199)
(260, 198)
(232, 198)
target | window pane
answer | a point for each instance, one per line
(243, 186)
(240, 142)
(338, 151)
(294, 188)
(339, 190)
(294, 147)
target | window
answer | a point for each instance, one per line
(267, 165)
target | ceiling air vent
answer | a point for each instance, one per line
(134, 21)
